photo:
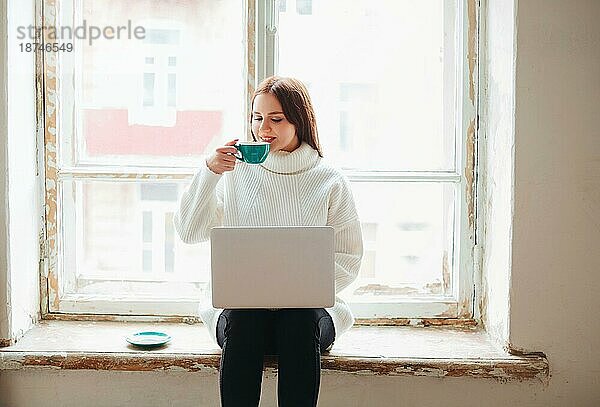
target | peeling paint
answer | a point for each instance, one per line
(143, 362)
(492, 369)
(464, 308)
(4, 343)
(470, 172)
(472, 60)
(417, 322)
(446, 277)
(434, 352)
(483, 300)
(50, 293)
(472, 47)
(524, 354)
(450, 312)
(122, 318)
(250, 59)
(502, 370)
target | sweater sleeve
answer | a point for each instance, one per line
(342, 216)
(200, 207)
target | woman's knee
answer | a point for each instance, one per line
(246, 323)
(306, 326)
(303, 315)
(300, 321)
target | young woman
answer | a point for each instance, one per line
(294, 186)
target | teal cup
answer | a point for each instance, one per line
(252, 152)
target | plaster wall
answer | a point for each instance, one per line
(24, 198)
(542, 216)
(497, 60)
(4, 286)
(554, 302)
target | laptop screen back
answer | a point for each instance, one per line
(273, 267)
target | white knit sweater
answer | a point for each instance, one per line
(287, 189)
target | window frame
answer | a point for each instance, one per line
(460, 304)
(261, 54)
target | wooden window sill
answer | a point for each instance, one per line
(364, 350)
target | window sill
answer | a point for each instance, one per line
(364, 350)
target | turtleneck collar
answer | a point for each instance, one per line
(301, 159)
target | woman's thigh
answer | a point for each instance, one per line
(251, 325)
(262, 324)
(297, 323)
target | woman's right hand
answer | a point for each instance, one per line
(222, 159)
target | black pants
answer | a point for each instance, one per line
(297, 336)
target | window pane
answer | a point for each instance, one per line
(122, 232)
(147, 226)
(304, 7)
(172, 90)
(407, 235)
(148, 89)
(147, 260)
(382, 79)
(161, 100)
(169, 243)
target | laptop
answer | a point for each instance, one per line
(272, 267)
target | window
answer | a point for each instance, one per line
(393, 95)
(148, 89)
(134, 117)
(390, 84)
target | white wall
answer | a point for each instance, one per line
(555, 258)
(24, 194)
(4, 309)
(176, 389)
(19, 279)
(496, 156)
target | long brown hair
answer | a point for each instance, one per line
(297, 107)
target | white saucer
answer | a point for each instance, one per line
(148, 338)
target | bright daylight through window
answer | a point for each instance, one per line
(134, 118)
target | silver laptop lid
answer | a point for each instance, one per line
(273, 267)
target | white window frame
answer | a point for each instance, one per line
(57, 298)
(460, 303)
(260, 63)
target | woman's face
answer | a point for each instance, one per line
(270, 125)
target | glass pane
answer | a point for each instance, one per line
(160, 98)
(382, 78)
(172, 93)
(407, 236)
(120, 238)
(148, 89)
